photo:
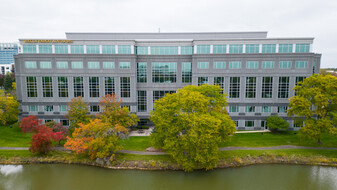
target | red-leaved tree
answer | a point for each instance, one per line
(30, 124)
(42, 139)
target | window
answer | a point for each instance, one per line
(301, 64)
(282, 109)
(65, 122)
(78, 87)
(302, 48)
(202, 65)
(203, 49)
(266, 109)
(298, 81)
(285, 64)
(31, 87)
(77, 49)
(93, 65)
(267, 64)
(124, 49)
(268, 48)
(186, 50)
(169, 50)
(108, 49)
(125, 87)
(48, 108)
(63, 108)
(264, 124)
(141, 101)
(92, 49)
(219, 49)
(33, 108)
(235, 48)
(29, 48)
(30, 64)
(219, 65)
(234, 87)
(285, 48)
(124, 65)
(45, 65)
(235, 65)
(94, 108)
(108, 65)
(47, 86)
(141, 72)
(45, 49)
(159, 94)
(267, 87)
(233, 109)
(93, 87)
(219, 81)
(164, 72)
(109, 85)
(250, 87)
(186, 72)
(61, 49)
(250, 109)
(62, 86)
(249, 123)
(202, 80)
(252, 48)
(62, 65)
(252, 64)
(142, 50)
(283, 87)
(77, 65)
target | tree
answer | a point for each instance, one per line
(113, 114)
(191, 124)
(275, 122)
(2, 80)
(58, 127)
(77, 112)
(42, 139)
(8, 109)
(96, 139)
(8, 82)
(29, 124)
(316, 102)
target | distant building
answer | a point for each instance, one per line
(7, 52)
(5, 68)
(258, 73)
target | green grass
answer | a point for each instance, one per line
(13, 137)
(246, 140)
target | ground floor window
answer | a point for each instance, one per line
(249, 123)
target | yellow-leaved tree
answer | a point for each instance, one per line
(9, 108)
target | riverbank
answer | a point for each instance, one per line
(235, 158)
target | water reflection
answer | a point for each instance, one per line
(252, 177)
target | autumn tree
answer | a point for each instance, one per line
(77, 112)
(9, 109)
(191, 124)
(58, 127)
(99, 137)
(42, 140)
(30, 124)
(316, 102)
(275, 122)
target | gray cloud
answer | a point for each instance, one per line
(287, 18)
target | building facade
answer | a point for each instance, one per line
(258, 73)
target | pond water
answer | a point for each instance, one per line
(72, 177)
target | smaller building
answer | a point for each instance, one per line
(5, 68)
(7, 52)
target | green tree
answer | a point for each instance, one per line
(8, 82)
(77, 112)
(275, 122)
(316, 102)
(190, 125)
(9, 108)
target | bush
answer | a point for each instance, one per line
(275, 122)
(142, 127)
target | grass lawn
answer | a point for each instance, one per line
(13, 137)
(246, 140)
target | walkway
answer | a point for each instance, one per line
(221, 149)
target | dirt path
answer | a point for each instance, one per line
(221, 149)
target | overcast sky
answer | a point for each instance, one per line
(281, 18)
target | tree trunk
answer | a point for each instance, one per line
(319, 141)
